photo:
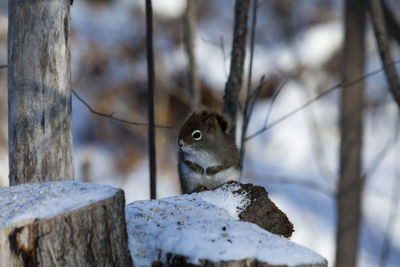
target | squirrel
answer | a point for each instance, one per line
(208, 157)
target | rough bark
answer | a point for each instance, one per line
(94, 235)
(234, 83)
(190, 34)
(350, 184)
(39, 91)
(376, 13)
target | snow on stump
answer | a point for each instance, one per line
(204, 229)
(63, 224)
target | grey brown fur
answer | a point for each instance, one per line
(213, 159)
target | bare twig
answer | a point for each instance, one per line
(394, 204)
(255, 95)
(376, 13)
(150, 72)
(247, 111)
(383, 152)
(111, 115)
(317, 97)
(222, 47)
(303, 183)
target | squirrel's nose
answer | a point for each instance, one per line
(180, 143)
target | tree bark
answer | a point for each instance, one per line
(94, 235)
(234, 83)
(39, 91)
(350, 184)
(190, 34)
(378, 21)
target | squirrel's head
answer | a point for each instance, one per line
(201, 129)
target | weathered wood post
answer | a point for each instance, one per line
(39, 91)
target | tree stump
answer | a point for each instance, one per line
(63, 224)
(204, 229)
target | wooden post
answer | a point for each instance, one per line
(39, 91)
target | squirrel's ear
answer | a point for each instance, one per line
(223, 122)
(214, 120)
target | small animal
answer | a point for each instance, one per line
(208, 157)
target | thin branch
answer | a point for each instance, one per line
(150, 73)
(255, 94)
(383, 152)
(274, 97)
(317, 97)
(111, 115)
(378, 21)
(247, 111)
(387, 241)
(222, 47)
(303, 183)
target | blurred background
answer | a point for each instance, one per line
(297, 160)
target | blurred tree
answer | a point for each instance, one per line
(39, 91)
(350, 182)
(190, 31)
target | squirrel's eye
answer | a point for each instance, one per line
(196, 135)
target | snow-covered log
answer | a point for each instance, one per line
(204, 229)
(63, 224)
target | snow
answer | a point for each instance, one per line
(40, 201)
(190, 226)
(225, 197)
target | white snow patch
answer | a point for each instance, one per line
(225, 197)
(40, 201)
(188, 226)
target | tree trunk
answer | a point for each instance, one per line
(93, 234)
(190, 34)
(350, 184)
(234, 83)
(39, 91)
